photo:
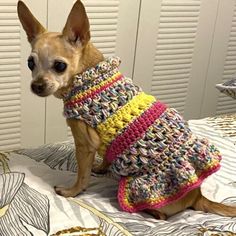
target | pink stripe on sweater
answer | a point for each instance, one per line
(134, 131)
(155, 205)
(93, 93)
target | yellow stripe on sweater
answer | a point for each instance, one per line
(113, 126)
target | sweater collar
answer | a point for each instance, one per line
(93, 76)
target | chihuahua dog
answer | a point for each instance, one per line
(58, 62)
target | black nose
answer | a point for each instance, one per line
(38, 87)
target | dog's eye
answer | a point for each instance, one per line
(59, 66)
(31, 63)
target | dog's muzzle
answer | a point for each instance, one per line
(38, 88)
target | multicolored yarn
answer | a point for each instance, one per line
(148, 144)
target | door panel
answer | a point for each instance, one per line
(21, 113)
(222, 64)
(173, 51)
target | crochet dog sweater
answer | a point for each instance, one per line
(148, 144)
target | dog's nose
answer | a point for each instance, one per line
(38, 88)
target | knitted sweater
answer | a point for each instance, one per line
(148, 144)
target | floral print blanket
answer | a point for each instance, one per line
(29, 206)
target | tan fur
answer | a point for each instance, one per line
(86, 144)
(73, 47)
(203, 204)
(30, 24)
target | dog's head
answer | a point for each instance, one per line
(55, 57)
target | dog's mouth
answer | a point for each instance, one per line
(43, 89)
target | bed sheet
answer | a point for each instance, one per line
(29, 205)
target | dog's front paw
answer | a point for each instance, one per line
(67, 192)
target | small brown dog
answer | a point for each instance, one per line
(55, 60)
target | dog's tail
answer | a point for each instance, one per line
(206, 205)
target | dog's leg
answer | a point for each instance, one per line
(157, 214)
(175, 207)
(86, 144)
(206, 205)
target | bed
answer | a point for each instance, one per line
(29, 205)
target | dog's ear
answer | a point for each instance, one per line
(30, 24)
(76, 29)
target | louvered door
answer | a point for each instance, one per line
(20, 125)
(222, 65)
(113, 30)
(173, 50)
(10, 107)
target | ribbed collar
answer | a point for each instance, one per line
(93, 76)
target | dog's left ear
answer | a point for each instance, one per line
(76, 29)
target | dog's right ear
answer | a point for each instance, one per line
(76, 30)
(30, 24)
